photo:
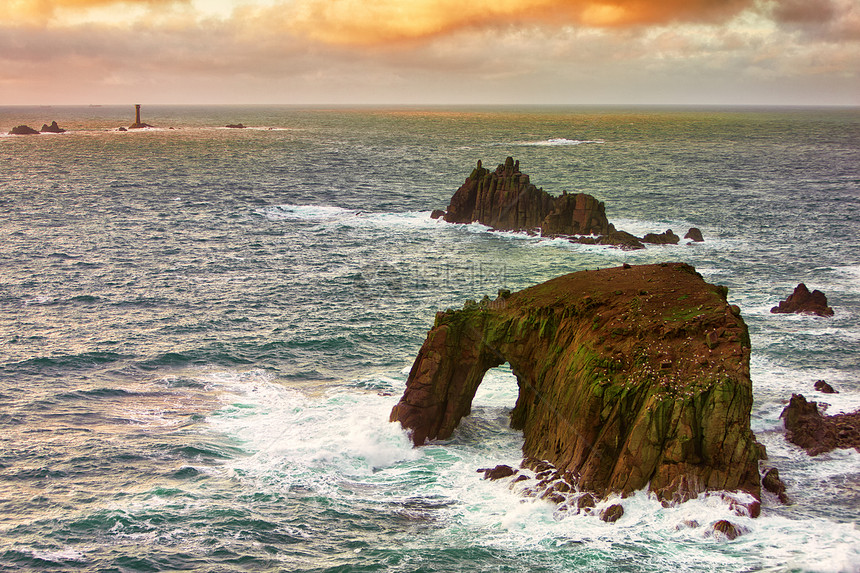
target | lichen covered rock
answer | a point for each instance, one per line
(630, 377)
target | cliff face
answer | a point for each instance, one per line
(505, 199)
(628, 377)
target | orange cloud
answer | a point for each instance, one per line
(371, 22)
(41, 11)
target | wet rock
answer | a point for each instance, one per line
(23, 130)
(773, 484)
(804, 302)
(726, 529)
(623, 239)
(498, 472)
(612, 513)
(665, 238)
(53, 128)
(586, 501)
(824, 387)
(437, 214)
(807, 428)
(584, 354)
(695, 235)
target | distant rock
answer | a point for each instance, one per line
(695, 235)
(122, 129)
(53, 128)
(621, 239)
(804, 302)
(665, 238)
(437, 214)
(817, 434)
(824, 387)
(23, 130)
(235, 126)
(505, 199)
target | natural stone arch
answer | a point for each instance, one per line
(628, 377)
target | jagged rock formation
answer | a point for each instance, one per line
(505, 199)
(628, 377)
(805, 302)
(23, 130)
(817, 434)
(53, 128)
(695, 235)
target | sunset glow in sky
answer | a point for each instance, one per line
(430, 51)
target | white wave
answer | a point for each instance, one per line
(329, 216)
(559, 142)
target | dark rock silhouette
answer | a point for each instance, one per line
(817, 434)
(235, 126)
(695, 235)
(437, 214)
(628, 378)
(824, 387)
(23, 130)
(505, 199)
(53, 128)
(805, 302)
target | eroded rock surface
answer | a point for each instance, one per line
(505, 199)
(630, 377)
(817, 434)
(805, 302)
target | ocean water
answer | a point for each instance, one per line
(203, 330)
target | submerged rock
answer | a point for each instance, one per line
(628, 378)
(805, 302)
(23, 130)
(498, 472)
(505, 199)
(727, 529)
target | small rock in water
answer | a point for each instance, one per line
(498, 472)
(727, 529)
(612, 513)
(824, 387)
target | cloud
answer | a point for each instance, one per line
(40, 12)
(373, 22)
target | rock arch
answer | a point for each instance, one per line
(628, 378)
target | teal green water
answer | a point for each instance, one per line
(203, 330)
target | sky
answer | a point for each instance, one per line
(427, 52)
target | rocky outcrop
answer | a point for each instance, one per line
(630, 377)
(53, 128)
(235, 126)
(825, 388)
(665, 238)
(804, 302)
(23, 130)
(695, 235)
(505, 199)
(817, 434)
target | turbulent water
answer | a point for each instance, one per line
(203, 330)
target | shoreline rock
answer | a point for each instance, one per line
(628, 378)
(801, 301)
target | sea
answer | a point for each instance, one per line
(203, 331)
